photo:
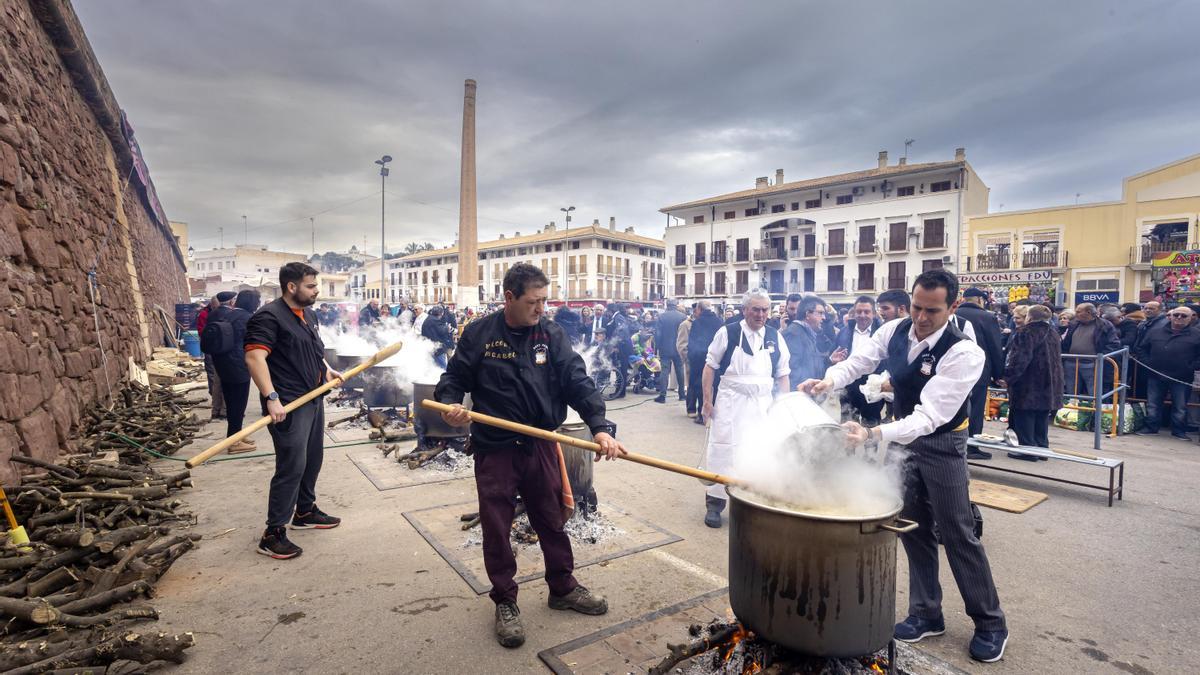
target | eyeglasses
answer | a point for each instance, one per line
(1179, 315)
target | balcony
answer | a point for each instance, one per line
(1043, 259)
(933, 241)
(992, 261)
(697, 259)
(719, 258)
(900, 283)
(680, 261)
(831, 250)
(1144, 254)
(742, 256)
(769, 253)
(896, 245)
(865, 246)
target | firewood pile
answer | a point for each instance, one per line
(153, 416)
(101, 534)
(172, 366)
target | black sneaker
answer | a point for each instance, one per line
(660, 399)
(509, 631)
(581, 600)
(275, 543)
(915, 629)
(976, 453)
(988, 646)
(315, 519)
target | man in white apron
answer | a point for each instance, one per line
(750, 362)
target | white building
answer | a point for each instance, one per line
(591, 264)
(252, 259)
(839, 236)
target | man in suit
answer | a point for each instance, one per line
(666, 332)
(987, 336)
(853, 338)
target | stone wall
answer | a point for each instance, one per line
(65, 210)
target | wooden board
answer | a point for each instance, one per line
(1004, 497)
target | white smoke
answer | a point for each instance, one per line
(799, 459)
(412, 364)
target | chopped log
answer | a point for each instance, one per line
(49, 466)
(19, 562)
(69, 538)
(59, 578)
(124, 614)
(132, 646)
(101, 600)
(30, 651)
(151, 492)
(33, 611)
(110, 540)
(113, 496)
(47, 565)
(14, 590)
(110, 575)
(165, 544)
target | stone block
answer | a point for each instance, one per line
(75, 365)
(38, 437)
(10, 235)
(40, 248)
(9, 442)
(31, 393)
(10, 165)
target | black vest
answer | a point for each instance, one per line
(908, 379)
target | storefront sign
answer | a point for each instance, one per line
(1175, 259)
(1017, 277)
(1096, 297)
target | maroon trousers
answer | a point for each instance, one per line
(531, 470)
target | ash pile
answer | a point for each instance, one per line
(727, 648)
(97, 536)
(584, 527)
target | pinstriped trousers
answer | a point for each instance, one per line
(936, 491)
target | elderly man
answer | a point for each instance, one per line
(1034, 376)
(1173, 350)
(369, 315)
(1086, 336)
(666, 332)
(748, 361)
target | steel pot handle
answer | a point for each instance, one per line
(903, 525)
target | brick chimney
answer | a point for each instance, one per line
(761, 182)
(779, 176)
(883, 159)
(595, 222)
(612, 223)
(960, 154)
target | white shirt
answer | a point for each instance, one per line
(420, 321)
(957, 373)
(861, 337)
(716, 350)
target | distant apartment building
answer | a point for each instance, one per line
(584, 264)
(252, 259)
(840, 236)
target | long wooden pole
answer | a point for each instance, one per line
(586, 445)
(382, 355)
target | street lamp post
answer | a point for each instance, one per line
(566, 246)
(245, 231)
(383, 174)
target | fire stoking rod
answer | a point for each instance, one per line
(586, 445)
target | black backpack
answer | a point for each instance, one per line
(217, 337)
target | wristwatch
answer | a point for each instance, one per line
(273, 396)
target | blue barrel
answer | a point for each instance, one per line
(191, 342)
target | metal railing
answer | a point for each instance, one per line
(830, 249)
(993, 261)
(698, 259)
(1036, 259)
(719, 257)
(1144, 253)
(770, 253)
(928, 242)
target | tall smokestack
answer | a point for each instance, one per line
(468, 228)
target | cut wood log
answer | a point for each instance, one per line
(69, 538)
(55, 580)
(101, 600)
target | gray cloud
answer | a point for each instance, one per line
(278, 109)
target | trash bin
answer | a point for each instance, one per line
(191, 342)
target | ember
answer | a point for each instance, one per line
(724, 648)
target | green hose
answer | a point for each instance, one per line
(148, 451)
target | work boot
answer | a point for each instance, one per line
(275, 543)
(715, 506)
(240, 447)
(661, 398)
(509, 631)
(581, 600)
(699, 419)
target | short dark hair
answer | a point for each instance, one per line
(939, 278)
(794, 297)
(867, 299)
(895, 297)
(294, 272)
(1130, 307)
(808, 304)
(522, 276)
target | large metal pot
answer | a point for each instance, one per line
(811, 425)
(822, 585)
(381, 388)
(346, 362)
(430, 421)
(579, 462)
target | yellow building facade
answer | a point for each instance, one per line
(1090, 252)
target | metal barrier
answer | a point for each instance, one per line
(1115, 396)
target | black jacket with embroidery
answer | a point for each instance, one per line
(528, 375)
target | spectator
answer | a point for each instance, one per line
(681, 346)
(585, 326)
(987, 336)
(1173, 350)
(406, 316)
(1154, 316)
(210, 370)
(369, 315)
(666, 335)
(598, 321)
(1034, 375)
(892, 305)
(854, 338)
(705, 324)
(806, 316)
(619, 341)
(1065, 318)
(419, 316)
(730, 315)
(436, 330)
(1086, 336)
(570, 322)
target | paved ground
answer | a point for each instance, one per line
(1086, 588)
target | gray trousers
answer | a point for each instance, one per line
(299, 449)
(936, 491)
(669, 361)
(214, 387)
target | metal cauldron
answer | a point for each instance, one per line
(812, 425)
(381, 387)
(346, 362)
(331, 357)
(822, 585)
(430, 421)
(579, 462)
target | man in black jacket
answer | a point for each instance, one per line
(1174, 351)
(231, 364)
(859, 332)
(437, 331)
(987, 336)
(618, 331)
(519, 366)
(666, 331)
(705, 324)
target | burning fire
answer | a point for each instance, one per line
(752, 664)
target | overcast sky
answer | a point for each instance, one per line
(277, 110)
